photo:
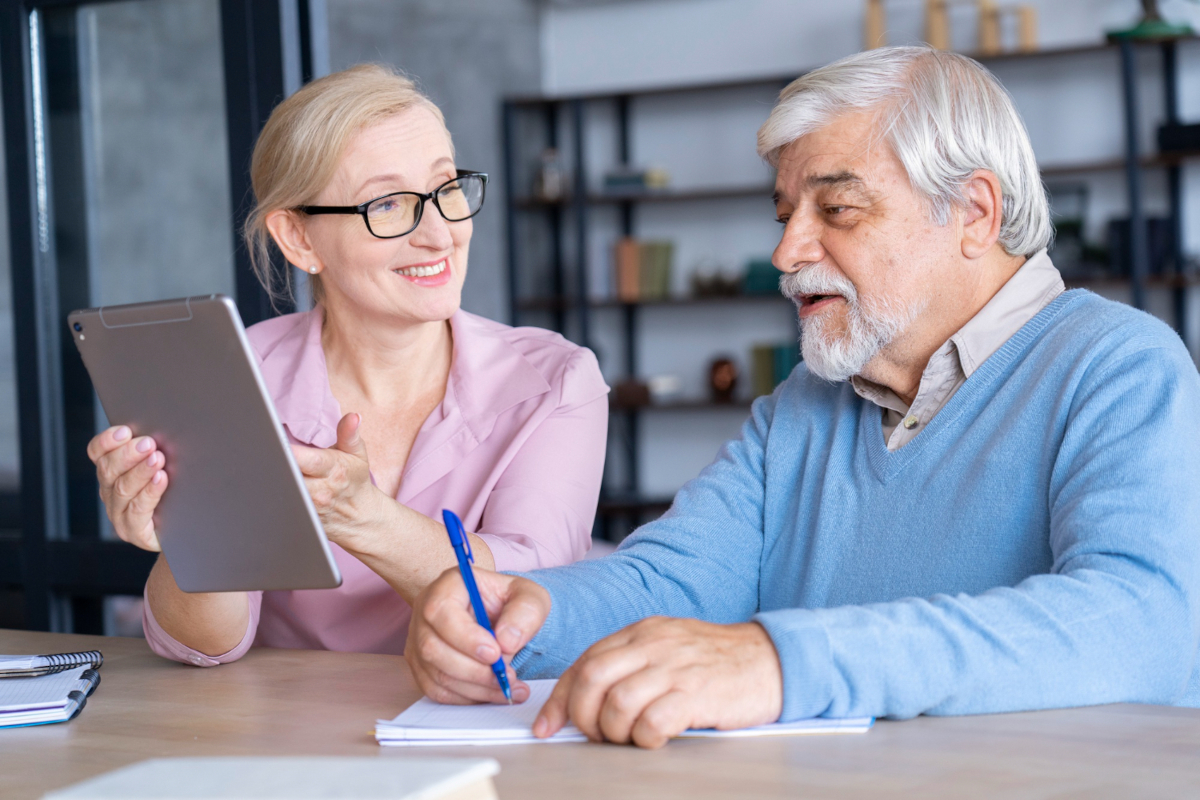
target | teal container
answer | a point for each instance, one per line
(761, 278)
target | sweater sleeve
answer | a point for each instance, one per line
(1116, 618)
(701, 559)
(541, 510)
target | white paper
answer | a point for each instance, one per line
(23, 694)
(428, 723)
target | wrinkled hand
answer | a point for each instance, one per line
(132, 481)
(451, 654)
(658, 677)
(339, 481)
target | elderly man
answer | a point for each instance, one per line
(978, 493)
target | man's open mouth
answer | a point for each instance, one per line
(813, 299)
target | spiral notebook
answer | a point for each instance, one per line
(50, 698)
(428, 723)
(33, 666)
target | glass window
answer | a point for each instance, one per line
(152, 94)
(9, 453)
(141, 192)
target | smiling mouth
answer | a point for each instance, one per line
(424, 271)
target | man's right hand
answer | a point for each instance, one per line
(132, 481)
(451, 655)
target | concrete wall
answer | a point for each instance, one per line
(467, 55)
(639, 43)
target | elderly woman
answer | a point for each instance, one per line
(357, 185)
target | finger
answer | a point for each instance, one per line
(108, 440)
(439, 693)
(553, 716)
(450, 691)
(128, 485)
(136, 523)
(468, 692)
(525, 608)
(447, 609)
(118, 461)
(595, 675)
(440, 659)
(348, 438)
(628, 699)
(314, 462)
(663, 720)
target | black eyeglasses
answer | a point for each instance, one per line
(399, 213)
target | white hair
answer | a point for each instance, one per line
(944, 116)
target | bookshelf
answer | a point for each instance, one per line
(560, 294)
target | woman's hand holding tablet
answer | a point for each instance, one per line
(132, 481)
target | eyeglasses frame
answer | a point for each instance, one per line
(361, 208)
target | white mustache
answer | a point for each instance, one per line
(817, 279)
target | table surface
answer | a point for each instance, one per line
(302, 702)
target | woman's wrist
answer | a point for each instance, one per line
(371, 531)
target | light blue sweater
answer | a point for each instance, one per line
(1036, 546)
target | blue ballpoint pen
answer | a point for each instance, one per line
(462, 549)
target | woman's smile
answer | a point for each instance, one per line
(437, 273)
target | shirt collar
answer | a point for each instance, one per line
(488, 374)
(1019, 300)
(1028, 291)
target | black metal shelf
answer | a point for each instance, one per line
(633, 505)
(534, 101)
(693, 195)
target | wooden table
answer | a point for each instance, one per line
(299, 702)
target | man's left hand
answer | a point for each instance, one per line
(659, 677)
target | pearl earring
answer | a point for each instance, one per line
(313, 269)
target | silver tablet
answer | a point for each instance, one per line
(236, 515)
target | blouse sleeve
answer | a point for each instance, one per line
(168, 646)
(540, 512)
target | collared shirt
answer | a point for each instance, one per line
(1019, 300)
(516, 448)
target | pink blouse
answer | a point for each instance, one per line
(516, 448)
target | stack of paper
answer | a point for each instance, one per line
(50, 698)
(428, 723)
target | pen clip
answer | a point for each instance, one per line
(457, 533)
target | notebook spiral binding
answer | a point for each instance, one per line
(60, 662)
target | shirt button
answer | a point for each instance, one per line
(195, 659)
(911, 422)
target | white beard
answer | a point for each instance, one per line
(870, 326)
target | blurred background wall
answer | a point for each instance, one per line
(466, 55)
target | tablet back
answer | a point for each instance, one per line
(236, 515)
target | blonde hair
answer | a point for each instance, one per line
(299, 149)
